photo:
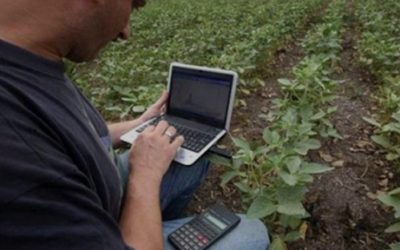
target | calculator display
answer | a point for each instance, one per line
(217, 222)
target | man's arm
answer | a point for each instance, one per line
(118, 129)
(150, 157)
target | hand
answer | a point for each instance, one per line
(153, 151)
(158, 108)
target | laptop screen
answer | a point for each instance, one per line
(200, 95)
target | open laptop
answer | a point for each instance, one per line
(199, 106)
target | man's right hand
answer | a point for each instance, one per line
(150, 157)
(153, 151)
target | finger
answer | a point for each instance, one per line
(171, 130)
(170, 133)
(163, 109)
(178, 142)
(149, 129)
(162, 100)
(161, 128)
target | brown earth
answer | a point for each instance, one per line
(247, 123)
(342, 204)
(344, 213)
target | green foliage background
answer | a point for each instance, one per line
(230, 34)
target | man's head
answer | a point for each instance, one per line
(75, 29)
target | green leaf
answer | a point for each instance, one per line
(129, 99)
(271, 137)
(242, 144)
(293, 163)
(285, 82)
(396, 116)
(306, 129)
(302, 148)
(314, 168)
(289, 200)
(292, 236)
(219, 160)
(332, 110)
(289, 179)
(243, 187)
(228, 176)
(394, 191)
(261, 207)
(305, 178)
(278, 244)
(318, 116)
(261, 150)
(395, 246)
(138, 109)
(393, 228)
(392, 156)
(392, 127)
(290, 116)
(372, 122)
(389, 200)
(237, 163)
(382, 140)
(289, 221)
(332, 132)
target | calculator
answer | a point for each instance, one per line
(205, 229)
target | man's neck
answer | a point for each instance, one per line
(29, 33)
(33, 47)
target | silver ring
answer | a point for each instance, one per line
(169, 134)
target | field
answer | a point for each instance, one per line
(316, 127)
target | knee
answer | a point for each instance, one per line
(256, 232)
(249, 234)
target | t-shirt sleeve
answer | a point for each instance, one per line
(46, 202)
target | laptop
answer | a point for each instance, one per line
(199, 106)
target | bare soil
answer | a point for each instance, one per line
(342, 204)
(247, 123)
(344, 213)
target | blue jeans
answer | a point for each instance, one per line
(177, 189)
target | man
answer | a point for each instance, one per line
(59, 185)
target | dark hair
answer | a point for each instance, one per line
(136, 4)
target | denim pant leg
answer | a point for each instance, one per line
(178, 185)
(250, 234)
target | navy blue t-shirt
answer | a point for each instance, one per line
(59, 189)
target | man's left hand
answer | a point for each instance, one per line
(118, 129)
(158, 108)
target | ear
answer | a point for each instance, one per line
(124, 34)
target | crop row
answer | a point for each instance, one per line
(226, 34)
(379, 50)
(272, 176)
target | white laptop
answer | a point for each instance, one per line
(199, 106)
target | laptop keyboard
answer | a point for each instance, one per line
(194, 139)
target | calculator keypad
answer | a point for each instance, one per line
(195, 235)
